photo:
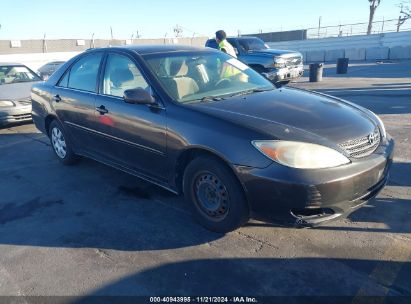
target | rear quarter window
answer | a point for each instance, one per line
(212, 44)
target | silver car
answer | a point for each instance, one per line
(15, 84)
(49, 68)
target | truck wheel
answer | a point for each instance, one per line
(61, 144)
(215, 195)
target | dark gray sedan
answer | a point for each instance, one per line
(15, 85)
(199, 122)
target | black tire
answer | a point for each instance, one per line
(215, 195)
(58, 137)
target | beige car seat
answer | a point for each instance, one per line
(180, 84)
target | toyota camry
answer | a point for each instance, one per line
(202, 124)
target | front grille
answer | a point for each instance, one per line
(22, 117)
(363, 146)
(293, 61)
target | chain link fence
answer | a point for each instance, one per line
(340, 30)
(344, 30)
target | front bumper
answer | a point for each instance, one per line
(310, 197)
(284, 74)
(15, 114)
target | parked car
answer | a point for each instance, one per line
(232, 145)
(279, 66)
(49, 68)
(15, 84)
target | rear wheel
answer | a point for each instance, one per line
(60, 143)
(216, 197)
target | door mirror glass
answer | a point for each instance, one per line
(138, 96)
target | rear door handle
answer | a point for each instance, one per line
(102, 110)
(57, 98)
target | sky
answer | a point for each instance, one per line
(31, 19)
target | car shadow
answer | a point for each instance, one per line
(89, 205)
(15, 124)
(298, 277)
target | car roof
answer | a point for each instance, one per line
(11, 64)
(239, 38)
(244, 37)
(155, 48)
(55, 62)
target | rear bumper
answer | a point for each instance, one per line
(310, 197)
(284, 74)
(15, 114)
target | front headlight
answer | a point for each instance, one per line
(279, 62)
(300, 155)
(380, 124)
(6, 103)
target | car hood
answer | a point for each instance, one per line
(293, 114)
(273, 52)
(15, 91)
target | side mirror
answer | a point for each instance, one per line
(138, 96)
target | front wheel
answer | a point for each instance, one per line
(60, 143)
(216, 196)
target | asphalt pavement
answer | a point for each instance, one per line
(92, 230)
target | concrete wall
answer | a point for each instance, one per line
(368, 47)
(355, 53)
(400, 52)
(31, 52)
(78, 45)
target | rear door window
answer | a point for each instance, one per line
(83, 74)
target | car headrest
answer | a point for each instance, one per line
(178, 67)
(120, 75)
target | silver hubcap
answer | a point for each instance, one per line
(59, 144)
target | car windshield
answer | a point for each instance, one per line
(201, 76)
(15, 74)
(253, 44)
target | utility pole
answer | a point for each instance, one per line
(111, 35)
(44, 44)
(177, 31)
(319, 26)
(92, 41)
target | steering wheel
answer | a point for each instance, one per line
(222, 82)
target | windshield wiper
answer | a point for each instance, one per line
(247, 92)
(210, 98)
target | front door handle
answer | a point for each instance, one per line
(102, 110)
(57, 98)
